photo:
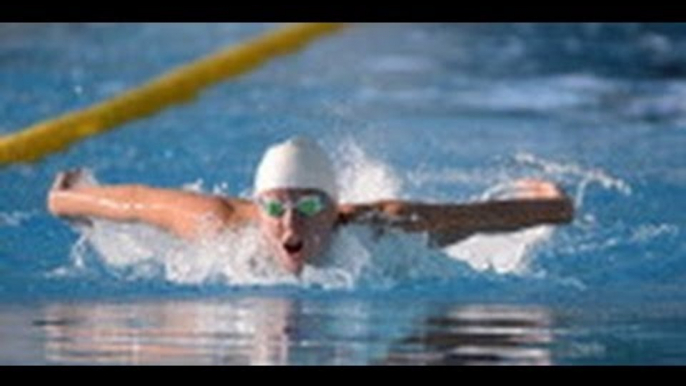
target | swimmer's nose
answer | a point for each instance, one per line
(290, 237)
(292, 219)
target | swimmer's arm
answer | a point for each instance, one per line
(186, 214)
(448, 223)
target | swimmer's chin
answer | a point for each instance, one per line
(293, 256)
(293, 262)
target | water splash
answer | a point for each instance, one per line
(504, 253)
(363, 178)
(584, 175)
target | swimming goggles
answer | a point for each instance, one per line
(308, 206)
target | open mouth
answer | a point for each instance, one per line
(293, 247)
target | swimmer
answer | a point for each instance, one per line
(295, 204)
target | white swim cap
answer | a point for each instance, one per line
(296, 163)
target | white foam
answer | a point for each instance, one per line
(502, 253)
(647, 232)
(585, 175)
(363, 178)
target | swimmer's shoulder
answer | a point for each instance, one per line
(237, 211)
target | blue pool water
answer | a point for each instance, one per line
(444, 112)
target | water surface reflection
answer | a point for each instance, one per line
(278, 331)
(480, 334)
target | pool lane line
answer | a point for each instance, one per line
(180, 85)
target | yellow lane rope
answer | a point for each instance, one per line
(179, 85)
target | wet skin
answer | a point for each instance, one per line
(296, 239)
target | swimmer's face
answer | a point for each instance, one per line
(297, 224)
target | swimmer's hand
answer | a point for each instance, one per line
(534, 189)
(65, 181)
(71, 178)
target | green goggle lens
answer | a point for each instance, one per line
(307, 206)
(274, 208)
